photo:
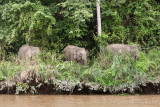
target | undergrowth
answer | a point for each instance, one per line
(116, 73)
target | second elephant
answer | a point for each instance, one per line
(77, 54)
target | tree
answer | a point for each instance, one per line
(98, 17)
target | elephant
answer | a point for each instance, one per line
(122, 48)
(27, 52)
(77, 54)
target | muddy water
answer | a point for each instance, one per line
(79, 101)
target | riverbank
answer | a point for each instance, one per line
(49, 74)
(57, 87)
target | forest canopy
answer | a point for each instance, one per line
(53, 24)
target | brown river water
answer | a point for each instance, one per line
(79, 101)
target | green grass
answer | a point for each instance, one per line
(116, 73)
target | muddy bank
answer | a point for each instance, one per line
(76, 88)
(31, 83)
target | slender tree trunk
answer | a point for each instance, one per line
(98, 17)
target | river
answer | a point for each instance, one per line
(79, 101)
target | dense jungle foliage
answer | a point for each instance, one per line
(54, 24)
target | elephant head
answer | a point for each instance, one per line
(32, 52)
(35, 51)
(82, 55)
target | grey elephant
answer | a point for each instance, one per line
(27, 52)
(77, 54)
(121, 49)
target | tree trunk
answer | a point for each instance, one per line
(98, 17)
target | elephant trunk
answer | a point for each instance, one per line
(85, 62)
